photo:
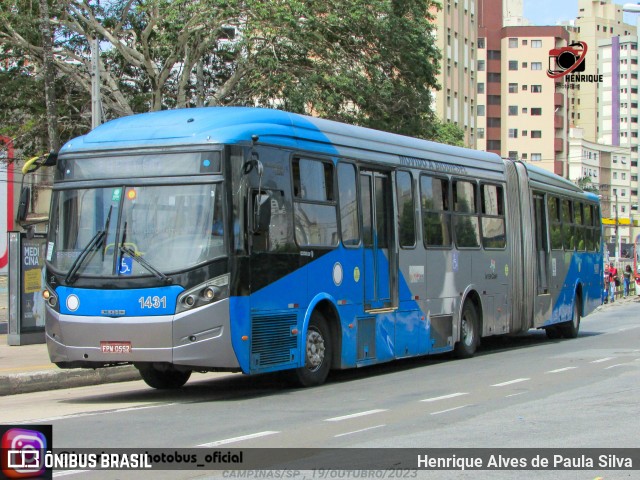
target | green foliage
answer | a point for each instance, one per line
(365, 62)
(585, 184)
(448, 133)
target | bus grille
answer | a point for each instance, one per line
(272, 342)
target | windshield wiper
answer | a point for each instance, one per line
(145, 264)
(93, 244)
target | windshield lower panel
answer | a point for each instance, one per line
(173, 228)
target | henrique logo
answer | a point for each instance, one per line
(569, 62)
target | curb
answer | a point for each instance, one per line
(59, 379)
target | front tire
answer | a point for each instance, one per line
(469, 336)
(168, 379)
(317, 353)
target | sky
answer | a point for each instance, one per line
(550, 12)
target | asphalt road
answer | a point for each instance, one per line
(524, 391)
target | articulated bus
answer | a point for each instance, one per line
(256, 240)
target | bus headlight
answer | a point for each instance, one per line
(50, 297)
(203, 294)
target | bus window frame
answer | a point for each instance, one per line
(356, 173)
(297, 156)
(448, 212)
(396, 213)
(502, 216)
(457, 214)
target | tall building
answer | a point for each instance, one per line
(618, 112)
(457, 40)
(521, 113)
(597, 20)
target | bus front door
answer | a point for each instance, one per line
(379, 270)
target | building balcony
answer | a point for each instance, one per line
(558, 121)
(558, 145)
(558, 99)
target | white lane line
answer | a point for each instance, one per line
(354, 415)
(445, 397)
(66, 473)
(616, 365)
(511, 382)
(92, 414)
(514, 394)
(558, 370)
(605, 359)
(450, 409)
(358, 431)
(238, 439)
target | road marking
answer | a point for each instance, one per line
(354, 415)
(358, 431)
(68, 472)
(445, 397)
(514, 394)
(511, 382)
(92, 414)
(238, 439)
(449, 409)
(616, 365)
(605, 359)
(558, 370)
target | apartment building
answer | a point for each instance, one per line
(522, 114)
(618, 106)
(457, 40)
(597, 20)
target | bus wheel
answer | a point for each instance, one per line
(317, 355)
(570, 329)
(163, 379)
(469, 336)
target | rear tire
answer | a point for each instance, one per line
(317, 354)
(168, 379)
(571, 328)
(469, 336)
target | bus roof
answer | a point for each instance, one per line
(230, 125)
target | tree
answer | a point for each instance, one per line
(449, 133)
(372, 63)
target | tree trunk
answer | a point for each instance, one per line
(49, 77)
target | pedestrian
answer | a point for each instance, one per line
(627, 279)
(613, 275)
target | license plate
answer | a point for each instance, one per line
(115, 347)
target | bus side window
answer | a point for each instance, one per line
(555, 223)
(465, 220)
(348, 198)
(493, 225)
(436, 217)
(406, 210)
(568, 228)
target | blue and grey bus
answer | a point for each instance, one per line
(256, 240)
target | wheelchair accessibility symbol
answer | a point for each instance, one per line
(126, 266)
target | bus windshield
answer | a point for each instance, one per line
(170, 227)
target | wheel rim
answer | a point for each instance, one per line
(467, 332)
(315, 349)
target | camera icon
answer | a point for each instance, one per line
(565, 60)
(24, 453)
